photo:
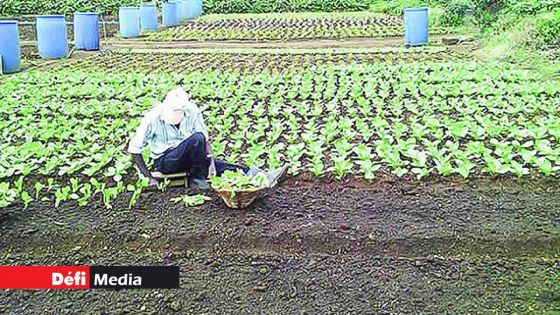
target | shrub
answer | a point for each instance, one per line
(395, 7)
(455, 12)
(526, 7)
(442, 12)
(486, 11)
(506, 22)
(548, 28)
(66, 7)
(268, 6)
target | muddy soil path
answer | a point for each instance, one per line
(435, 247)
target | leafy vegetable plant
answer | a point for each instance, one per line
(191, 201)
(239, 181)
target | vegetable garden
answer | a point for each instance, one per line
(421, 180)
(285, 27)
(447, 118)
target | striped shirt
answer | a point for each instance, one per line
(160, 137)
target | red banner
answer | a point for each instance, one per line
(89, 277)
(39, 277)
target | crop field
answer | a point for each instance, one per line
(416, 119)
(285, 27)
(420, 180)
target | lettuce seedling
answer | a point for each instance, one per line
(136, 190)
(363, 152)
(86, 192)
(368, 168)
(191, 201)
(7, 195)
(74, 184)
(18, 185)
(464, 167)
(545, 166)
(38, 187)
(26, 198)
(62, 194)
(342, 166)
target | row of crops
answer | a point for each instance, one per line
(284, 27)
(65, 132)
(240, 60)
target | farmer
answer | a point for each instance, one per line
(177, 137)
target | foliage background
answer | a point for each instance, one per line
(523, 31)
(68, 7)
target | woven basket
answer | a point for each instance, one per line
(241, 199)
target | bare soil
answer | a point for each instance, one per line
(309, 247)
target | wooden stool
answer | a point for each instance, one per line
(178, 179)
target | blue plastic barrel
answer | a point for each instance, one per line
(416, 26)
(190, 9)
(52, 37)
(86, 30)
(196, 7)
(148, 17)
(129, 22)
(9, 46)
(183, 8)
(170, 15)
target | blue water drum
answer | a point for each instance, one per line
(86, 30)
(189, 9)
(170, 15)
(416, 26)
(148, 17)
(129, 22)
(52, 37)
(9, 46)
(196, 7)
(183, 8)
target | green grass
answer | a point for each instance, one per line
(516, 39)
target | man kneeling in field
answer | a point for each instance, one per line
(177, 137)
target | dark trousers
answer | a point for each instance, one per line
(190, 156)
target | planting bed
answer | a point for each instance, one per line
(69, 129)
(284, 27)
(244, 61)
(314, 247)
